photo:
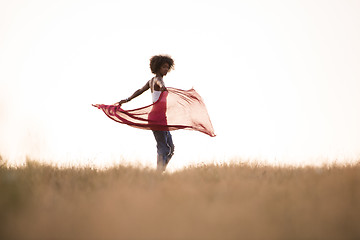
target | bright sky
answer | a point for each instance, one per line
(280, 79)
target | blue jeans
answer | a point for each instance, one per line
(165, 147)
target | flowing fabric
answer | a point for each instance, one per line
(175, 109)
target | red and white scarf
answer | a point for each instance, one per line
(175, 109)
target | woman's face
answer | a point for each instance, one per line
(164, 69)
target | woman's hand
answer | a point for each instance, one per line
(121, 102)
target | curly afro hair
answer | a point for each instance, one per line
(157, 61)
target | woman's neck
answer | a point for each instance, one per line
(159, 75)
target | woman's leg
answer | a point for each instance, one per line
(170, 143)
(163, 148)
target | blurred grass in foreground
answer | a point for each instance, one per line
(207, 202)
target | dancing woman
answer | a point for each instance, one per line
(160, 65)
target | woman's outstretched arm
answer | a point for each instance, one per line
(135, 94)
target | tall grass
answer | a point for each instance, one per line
(204, 202)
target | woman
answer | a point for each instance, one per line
(160, 65)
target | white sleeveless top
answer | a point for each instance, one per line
(155, 94)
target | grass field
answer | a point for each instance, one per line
(206, 202)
